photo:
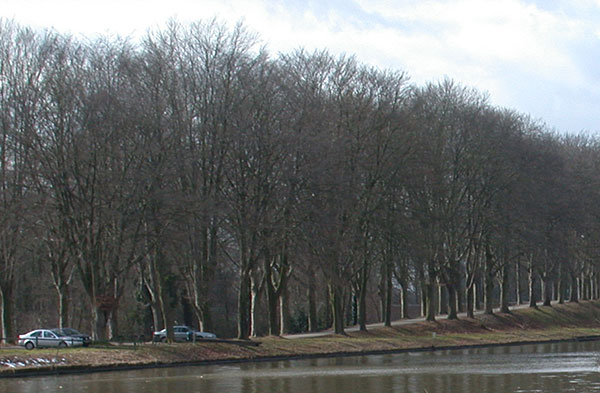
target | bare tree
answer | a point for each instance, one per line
(22, 62)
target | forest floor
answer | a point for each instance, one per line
(573, 321)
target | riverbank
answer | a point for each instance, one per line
(579, 321)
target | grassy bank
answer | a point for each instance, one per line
(560, 322)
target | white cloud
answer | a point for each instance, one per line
(487, 31)
(503, 47)
(521, 51)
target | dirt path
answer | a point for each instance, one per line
(399, 322)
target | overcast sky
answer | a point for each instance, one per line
(539, 57)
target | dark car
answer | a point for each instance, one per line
(74, 333)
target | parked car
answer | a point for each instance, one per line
(182, 333)
(204, 335)
(47, 338)
(74, 333)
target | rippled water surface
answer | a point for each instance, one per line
(561, 367)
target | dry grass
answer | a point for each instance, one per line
(560, 322)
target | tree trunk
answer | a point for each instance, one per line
(452, 289)
(532, 297)
(362, 296)
(422, 291)
(385, 293)
(547, 286)
(147, 287)
(353, 308)
(98, 324)
(6, 313)
(205, 317)
(63, 305)
(312, 302)
(203, 276)
(337, 308)
(489, 287)
(243, 304)
(460, 296)
(387, 288)
(112, 323)
(489, 294)
(423, 299)
(284, 311)
(256, 289)
(362, 310)
(504, 289)
(518, 283)
(452, 302)
(442, 299)
(471, 301)
(560, 285)
(574, 295)
(165, 301)
(430, 295)
(111, 310)
(208, 274)
(479, 293)
(272, 299)
(156, 317)
(167, 313)
(283, 291)
(328, 318)
(403, 301)
(586, 286)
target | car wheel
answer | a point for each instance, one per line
(62, 344)
(29, 345)
(163, 339)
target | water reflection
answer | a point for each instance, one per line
(557, 367)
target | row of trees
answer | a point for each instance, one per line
(192, 177)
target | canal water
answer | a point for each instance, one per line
(558, 367)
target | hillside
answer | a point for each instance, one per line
(579, 321)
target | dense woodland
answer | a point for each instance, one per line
(193, 177)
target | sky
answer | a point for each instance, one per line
(538, 57)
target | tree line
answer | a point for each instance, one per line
(193, 177)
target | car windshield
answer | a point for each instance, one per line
(70, 331)
(58, 332)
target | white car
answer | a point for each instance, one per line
(47, 338)
(182, 333)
